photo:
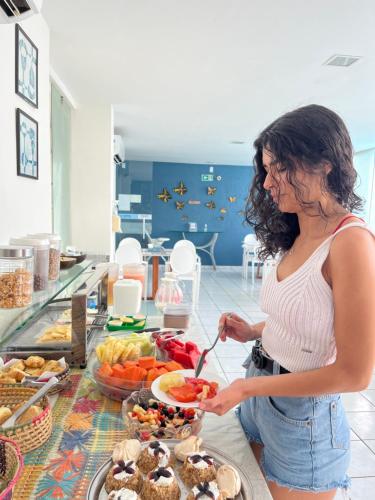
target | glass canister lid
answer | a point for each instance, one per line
(33, 242)
(15, 252)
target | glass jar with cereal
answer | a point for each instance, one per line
(16, 276)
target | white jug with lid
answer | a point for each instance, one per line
(127, 297)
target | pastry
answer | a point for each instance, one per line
(156, 454)
(17, 374)
(30, 414)
(206, 491)
(34, 362)
(5, 413)
(19, 365)
(123, 475)
(186, 447)
(4, 379)
(52, 366)
(228, 480)
(161, 484)
(198, 468)
(34, 372)
(129, 449)
(123, 494)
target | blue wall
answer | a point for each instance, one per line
(165, 217)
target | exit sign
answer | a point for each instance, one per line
(207, 177)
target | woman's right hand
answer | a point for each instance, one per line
(236, 328)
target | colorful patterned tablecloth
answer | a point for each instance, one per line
(86, 426)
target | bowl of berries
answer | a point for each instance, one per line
(147, 418)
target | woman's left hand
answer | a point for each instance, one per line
(226, 399)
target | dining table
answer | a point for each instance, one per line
(155, 254)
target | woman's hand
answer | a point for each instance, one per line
(236, 328)
(226, 399)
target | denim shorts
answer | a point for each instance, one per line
(306, 439)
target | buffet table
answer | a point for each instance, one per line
(86, 427)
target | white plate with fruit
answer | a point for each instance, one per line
(183, 389)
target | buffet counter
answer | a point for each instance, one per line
(83, 427)
(86, 427)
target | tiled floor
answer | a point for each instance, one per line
(224, 290)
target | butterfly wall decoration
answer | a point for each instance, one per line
(181, 189)
(223, 210)
(164, 195)
(232, 199)
(211, 205)
(211, 190)
(180, 205)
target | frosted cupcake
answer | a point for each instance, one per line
(123, 475)
(206, 491)
(123, 494)
(161, 484)
(156, 454)
(198, 468)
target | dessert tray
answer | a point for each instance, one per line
(96, 490)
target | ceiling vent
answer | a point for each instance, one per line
(342, 61)
(14, 11)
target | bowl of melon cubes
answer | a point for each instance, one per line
(127, 365)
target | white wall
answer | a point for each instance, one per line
(92, 178)
(364, 162)
(25, 204)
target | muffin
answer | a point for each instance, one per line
(156, 454)
(123, 475)
(123, 494)
(198, 468)
(161, 484)
(206, 491)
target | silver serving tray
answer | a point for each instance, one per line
(97, 491)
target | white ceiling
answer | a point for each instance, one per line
(188, 77)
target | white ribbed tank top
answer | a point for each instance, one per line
(299, 332)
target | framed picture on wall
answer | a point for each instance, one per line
(26, 67)
(27, 145)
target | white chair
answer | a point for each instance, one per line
(183, 262)
(190, 244)
(130, 252)
(130, 242)
(250, 247)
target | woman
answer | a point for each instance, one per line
(319, 337)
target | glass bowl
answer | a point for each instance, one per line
(116, 388)
(144, 431)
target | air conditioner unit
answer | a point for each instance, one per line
(118, 148)
(14, 11)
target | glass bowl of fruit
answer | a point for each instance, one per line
(147, 418)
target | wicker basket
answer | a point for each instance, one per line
(63, 378)
(33, 434)
(11, 466)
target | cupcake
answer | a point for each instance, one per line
(123, 475)
(156, 454)
(198, 468)
(161, 484)
(123, 494)
(206, 491)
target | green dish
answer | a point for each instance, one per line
(136, 325)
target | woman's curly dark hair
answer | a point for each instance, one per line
(306, 138)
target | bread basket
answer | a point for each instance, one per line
(11, 466)
(32, 434)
